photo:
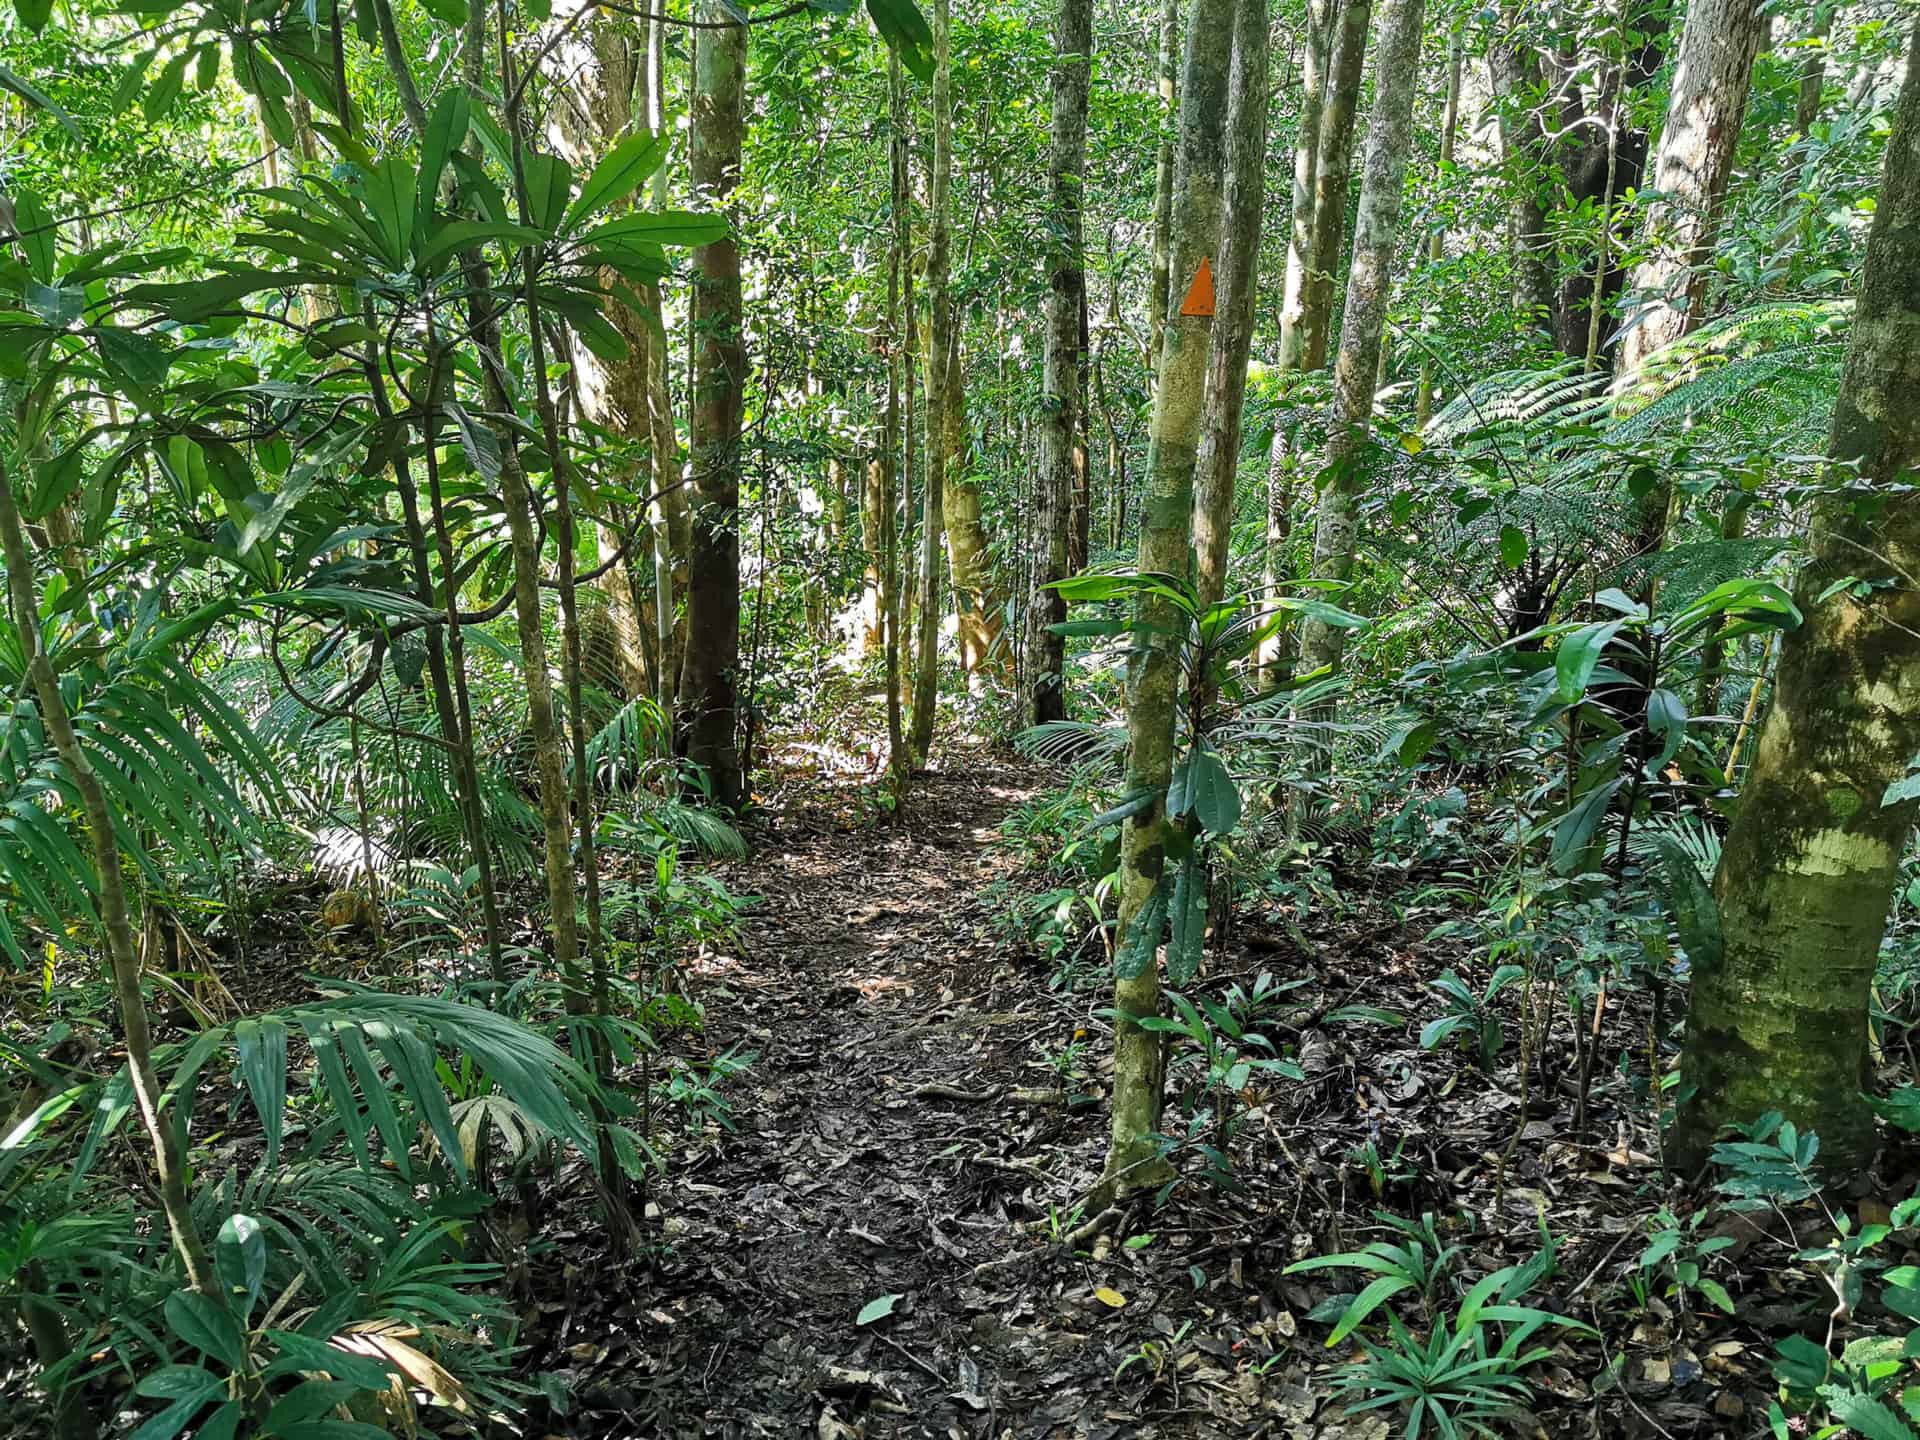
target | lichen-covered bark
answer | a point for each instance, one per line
(1160, 280)
(1316, 41)
(1712, 75)
(1153, 672)
(1779, 1020)
(926, 689)
(1437, 241)
(1332, 170)
(1061, 398)
(708, 683)
(1369, 286)
(1237, 279)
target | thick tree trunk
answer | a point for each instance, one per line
(1236, 281)
(1332, 170)
(1778, 1020)
(1061, 399)
(709, 696)
(1158, 283)
(1363, 326)
(1318, 41)
(1153, 672)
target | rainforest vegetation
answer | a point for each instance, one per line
(1019, 718)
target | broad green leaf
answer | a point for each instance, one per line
(877, 1309)
(1140, 945)
(446, 128)
(903, 27)
(207, 1326)
(549, 183)
(620, 172)
(1578, 654)
(240, 1256)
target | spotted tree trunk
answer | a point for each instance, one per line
(1778, 1017)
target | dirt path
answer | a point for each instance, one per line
(870, 974)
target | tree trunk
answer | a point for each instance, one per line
(926, 675)
(123, 961)
(1153, 671)
(1363, 327)
(893, 439)
(1061, 401)
(1274, 661)
(1332, 167)
(1306, 151)
(975, 596)
(1778, 1020)
(1813, 69)
(1157, 298)
(709, 699)
(1236, 280)
(1515, 79)
(1437, 242)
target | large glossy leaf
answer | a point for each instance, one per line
(620, 172)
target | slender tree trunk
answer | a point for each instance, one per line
(1778, 1019)
(1363, 327)
(1153, 671)
(1437, 241)
(1237, 281)
(1318, 40)
(709, 697)
(1159, 282)
(976, 597)
(1813, 69)
(1061, 399)
(1333, 165)
(893, 440)
(110, 888)
(926, 675)
(1274, 661)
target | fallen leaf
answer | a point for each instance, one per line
(1107, 1296)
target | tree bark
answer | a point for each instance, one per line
(1437, 241)
(1153, 671)
(1332, 169)
(1163, 183)
(1813, 69)
(926, 675)
(1778, 1020)
(1317, 41)
(709, 696)
(976, 597)
(1237, 282)
(1363, 326)
(1061, 398)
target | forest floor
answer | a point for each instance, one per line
(905, 1131)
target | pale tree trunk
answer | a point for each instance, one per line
(1363, 326)
(1778, 1019)
(1437, 242)
(1273, 663)
(1668, 290)
(1306, 151)
(709, 696)
(1237, 281)
(1061, 398)
(1153, 670)
(1332, 168)
(976, 598)
(672, 512)
(170, 1167)
(926, 675)
(1169, 86)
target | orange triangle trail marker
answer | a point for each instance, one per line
(1199, 299)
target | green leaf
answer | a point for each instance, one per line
(1140, 945)
(38, 99)
(164, 91)
(549, 183)
(1216, 799)
(877, 1309)
(1864, 1414)
(658, 227)
(1513, 546)
(1696, 915)
(1189, 909)
(262, 1048)
(240, 1257)
(39, 236)
(207, 1326)
(446, 128)
(1577, 656)
(34, 13)
(903, 27)
(620, 172)
(1365, 1303)
(1579, 825)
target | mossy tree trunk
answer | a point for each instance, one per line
(1332, 173)
(709, 681)
(1356, 372)
(1160, 279)
(1153, 672)
(1237, 281)
(1778, 1019)
(1316, 42)
(1061, 400)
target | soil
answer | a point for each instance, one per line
(876, 1247)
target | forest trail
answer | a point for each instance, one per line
(878, 999)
